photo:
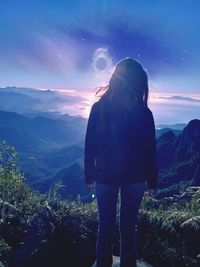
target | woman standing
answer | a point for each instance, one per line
(120, 157)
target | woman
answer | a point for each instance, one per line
(120, 156)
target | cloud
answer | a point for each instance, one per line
(180, 98)
(170, 108)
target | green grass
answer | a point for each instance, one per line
(46, 228)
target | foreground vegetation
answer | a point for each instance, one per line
(45, 230)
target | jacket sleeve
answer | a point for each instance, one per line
(150, 152)
(90, 151)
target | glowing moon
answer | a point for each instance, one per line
(101, 63)
(101, 60)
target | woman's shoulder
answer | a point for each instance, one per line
(149, 121)
(148, 112)
(143, 111)
(95, 105)
(99, 104)
(96, 108)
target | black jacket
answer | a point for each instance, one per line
(120, 145)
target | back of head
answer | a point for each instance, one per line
(128, 85)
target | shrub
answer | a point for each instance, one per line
(44, 230)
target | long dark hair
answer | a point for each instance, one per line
(128, 84)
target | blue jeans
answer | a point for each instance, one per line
(107, 197)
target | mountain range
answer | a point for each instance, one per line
(50, 145)
(30, 100)
(178, 157)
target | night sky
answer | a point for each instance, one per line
(74, 45)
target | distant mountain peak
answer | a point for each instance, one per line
(192, 131)
(167, 136)
(193, 124)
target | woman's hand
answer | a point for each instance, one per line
(91, 186)
(150, 192)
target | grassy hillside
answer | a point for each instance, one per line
(44, 230)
